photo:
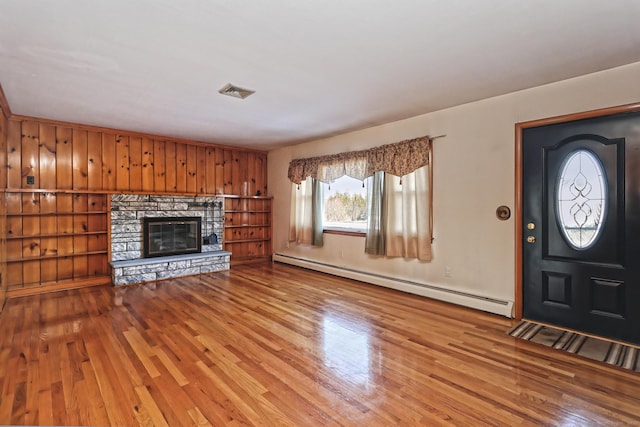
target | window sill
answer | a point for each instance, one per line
(345, 232)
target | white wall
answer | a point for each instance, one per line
(474, 173)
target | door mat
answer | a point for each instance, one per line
(613, 353)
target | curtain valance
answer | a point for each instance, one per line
(397, 159)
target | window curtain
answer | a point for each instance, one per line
(408, 231)
(400, 210)
(305, 216)
(398, 159)
(316, 220)
(374, 243)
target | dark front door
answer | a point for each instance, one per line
(581, 220)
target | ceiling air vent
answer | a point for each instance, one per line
(236, 91)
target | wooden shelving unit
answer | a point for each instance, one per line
(56, 237)
(247, 228)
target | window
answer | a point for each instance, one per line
(345, 205)
(402, 230)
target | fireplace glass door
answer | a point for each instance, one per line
(171, 236)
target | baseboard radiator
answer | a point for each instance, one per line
(491, 305)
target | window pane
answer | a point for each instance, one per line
(345, 204)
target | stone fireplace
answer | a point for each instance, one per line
(186, 234)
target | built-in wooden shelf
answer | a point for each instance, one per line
(56, 239)
(247, 211)
(70, 234)
(58, 285)
(247, 227)
(35, 258)
(55, 213)
(231, 242)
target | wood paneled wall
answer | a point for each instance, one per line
(3, 208)
(64, 156)
(57, 179)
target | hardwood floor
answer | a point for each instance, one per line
(277, 345)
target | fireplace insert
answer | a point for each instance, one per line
(165, 236)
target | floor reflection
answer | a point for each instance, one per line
(120, 291)
(347, 350)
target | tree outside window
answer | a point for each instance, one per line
(345, 205)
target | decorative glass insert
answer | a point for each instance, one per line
(581, 198)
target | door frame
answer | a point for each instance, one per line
(519, 235)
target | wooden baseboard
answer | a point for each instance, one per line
(59, 286)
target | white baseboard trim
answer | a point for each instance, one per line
(491, 305)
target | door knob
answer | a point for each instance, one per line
(531, 239)
(531, 226)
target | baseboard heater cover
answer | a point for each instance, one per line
(488, 304)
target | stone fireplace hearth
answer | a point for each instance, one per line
(128, 261)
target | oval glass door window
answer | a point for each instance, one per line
(581, 199)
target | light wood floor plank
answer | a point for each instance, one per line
(274, 345)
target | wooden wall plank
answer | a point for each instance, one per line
(13, 225)
(30, 154)
(261, 174)
(181, 168)
(236, 174)
(192, 169)
(65, 244)
(47, 156)
(159, 166)
(80, 262)
(14, 247)
(251, 170)
(65, 210)
(14, 271)
(4, 124)
(98, 265)
(147, 165)
(14, 155)
(31, 272)
(241, 170)
(201, 170)
(219, 171)
(226, 167)
(3, 237)
(3, 208)
(170, 166)
(135, 168)
(30, 204)
(99, 203)
(210, 170)
(31, 246)
(14, 222)
(49, 267)
(108, 161)
(94, 161)
(48, 226)
(80, 162)
(48, 205)
(64, 158)
(123, 162)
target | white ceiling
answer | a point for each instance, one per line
(319, 68)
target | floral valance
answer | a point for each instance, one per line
(397, 159)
